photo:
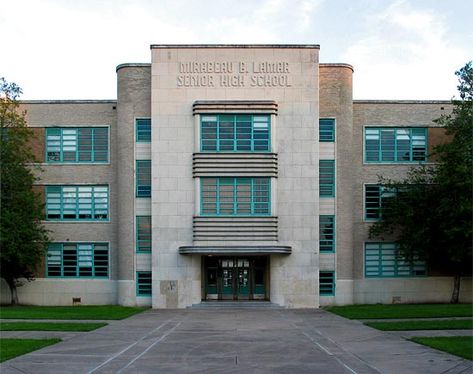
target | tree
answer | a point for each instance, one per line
(431, 211)
(22, 237)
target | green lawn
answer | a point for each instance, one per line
(458, 345)
(379, 311)
(69, 312)
(10, 348)
(450, 324)
(49, 326)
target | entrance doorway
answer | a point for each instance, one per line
(235, 278)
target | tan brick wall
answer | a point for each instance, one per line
(436, 136)
(36, 143)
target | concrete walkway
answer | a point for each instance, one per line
(236, 341)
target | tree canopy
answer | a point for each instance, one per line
(431, 211)
(22, 237)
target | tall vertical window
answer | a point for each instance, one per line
(143, 178)
(235, 196)
(144, 283)
(327, 234)
(327, 178)
(76, 260)
(389, 144)
(327, 283)
(374, 196)
(77, 203)
(384, 260)
(235, 133)
(143, 233)
(83, 144)
(326, 129)
(143, 130)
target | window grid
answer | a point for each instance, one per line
(143, 130)
(143, 178)
(327, 233)
(77, 260)
(384, 260)
(326, 130)
(77, 203)
(235, 133)
(144, 283)
(327, 283)
(143, 234)
(374, 196)
(390, 145)
(235, 196)
(327, 178)
(77, 145)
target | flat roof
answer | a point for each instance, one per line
(402, 101)
(111, 101)
(275, 46)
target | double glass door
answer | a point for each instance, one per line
(235, 278)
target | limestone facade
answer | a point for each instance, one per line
(181, 87)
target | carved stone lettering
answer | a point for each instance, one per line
(229, 74)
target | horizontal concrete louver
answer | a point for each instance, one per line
(235, 228)
(235, 165)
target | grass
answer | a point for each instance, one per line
(69, 312)
(49, 326)
(458, 345)
(10, 348)
(379, 311)
(450, 324)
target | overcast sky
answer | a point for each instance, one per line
(400, 49)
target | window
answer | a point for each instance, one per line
(327, 283)
(143, 233)
(326, 130)
(77, 203)
(235, 196)
(83, 144)
(327, 178)
(327, 233)
(235, 133)
(395, 144)
(143, 130)
(384, 260)
(374, 196)
(143, 283)
(76, 260)
(143, 178)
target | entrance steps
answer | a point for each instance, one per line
(236, 305)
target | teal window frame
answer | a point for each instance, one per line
(395, 144)
(144, 283)
(78, 260)
(327, 283)
(143, 178)
(77, 145)
(235, 133)
(327, 130)
(143, 130)
(242, 196)
(327, 231)
(327, 178)
(382, 260)
(374, 194)
(77, 203)
(143, 234)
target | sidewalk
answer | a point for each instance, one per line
(237, 341)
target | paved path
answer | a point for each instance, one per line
(236, 341)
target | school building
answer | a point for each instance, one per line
(228, 172)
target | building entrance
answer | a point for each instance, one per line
(235, 278)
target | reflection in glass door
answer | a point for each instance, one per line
(235, 278)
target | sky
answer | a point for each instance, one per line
(400, 49)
